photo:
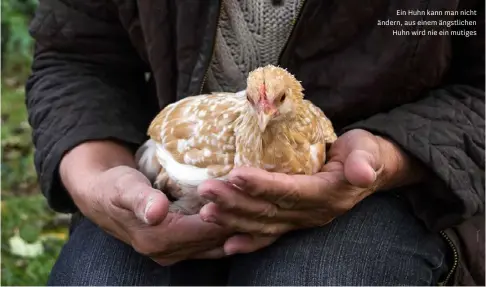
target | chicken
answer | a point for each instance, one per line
(269, 126)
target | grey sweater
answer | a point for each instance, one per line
(251, 33)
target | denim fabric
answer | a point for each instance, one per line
(379, 242)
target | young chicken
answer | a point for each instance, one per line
(269, 125)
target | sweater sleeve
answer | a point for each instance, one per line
(445, 132)
(87, 83)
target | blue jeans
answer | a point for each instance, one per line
(379, 242)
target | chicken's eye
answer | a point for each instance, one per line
(282, 98)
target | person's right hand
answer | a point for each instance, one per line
(120, 199)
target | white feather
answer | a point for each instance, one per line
(241, 93)
(145, 159)
(183, 174)
(315, 159)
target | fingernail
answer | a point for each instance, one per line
(230, 251)
(376, 172)
(380, 170)
(209, 219)
(206, 215)
(147, 209)
(374, 175)
(238, 182)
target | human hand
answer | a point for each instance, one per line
(267, 205)
(122, 201)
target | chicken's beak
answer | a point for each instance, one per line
(263, 119)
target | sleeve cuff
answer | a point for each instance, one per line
(437, 202)
(51, 185)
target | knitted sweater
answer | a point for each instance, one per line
(251, 33)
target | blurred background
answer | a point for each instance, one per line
(32, 234)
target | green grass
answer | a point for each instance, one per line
(24, 211)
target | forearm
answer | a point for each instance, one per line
(85, 162)
(87, 87)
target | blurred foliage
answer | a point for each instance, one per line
(18, 173)
(29, 217)
(24, 211)
(16, 41)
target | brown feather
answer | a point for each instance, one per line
(220, 131)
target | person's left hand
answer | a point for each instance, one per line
(264, 205)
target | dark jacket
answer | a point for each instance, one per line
(426, 93)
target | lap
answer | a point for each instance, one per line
(91, 257)
(379, 242)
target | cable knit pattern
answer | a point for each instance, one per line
(251, 33)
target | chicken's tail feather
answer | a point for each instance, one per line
(146, 160)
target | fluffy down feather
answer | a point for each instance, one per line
(269, 125)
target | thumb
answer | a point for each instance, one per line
(360, 168)
(149, 205)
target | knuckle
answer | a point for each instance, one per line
(271, 230)
(270, 211)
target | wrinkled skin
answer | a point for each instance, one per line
(108, 190)
(265, 205)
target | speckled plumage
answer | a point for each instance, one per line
(206, 136)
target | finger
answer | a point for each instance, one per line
(149, 205)
(284, 190)
(231, 199)
(183, 236)
(360, 168)
(211, 213)
(210, 254)
(246, 243)
(187, 230)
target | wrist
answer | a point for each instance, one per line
(399, 168)
(80, 166)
